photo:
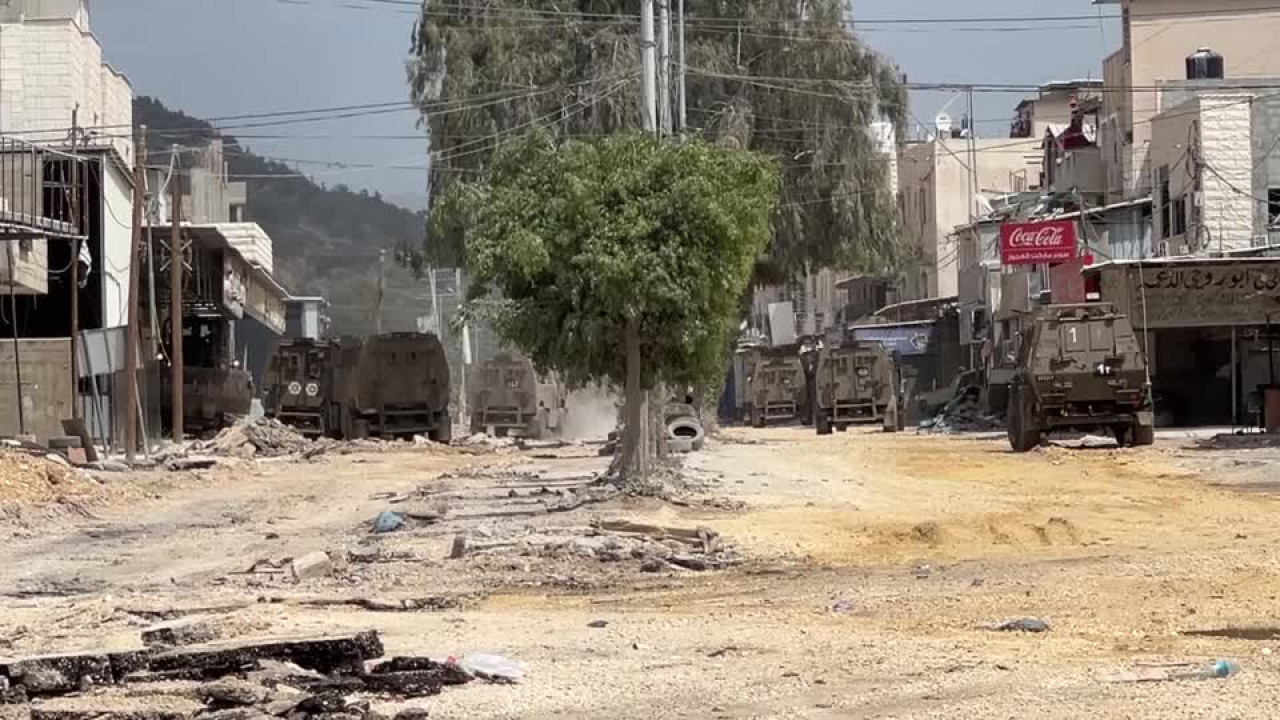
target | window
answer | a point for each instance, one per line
(1166, 220)
(924, 207)
(1180, 216)
(1273, 207)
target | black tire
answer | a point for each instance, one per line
(1023, 434)
(842, 427)
(823, 423)
(1142, 435)
(1122, 435)
(755, 417)
(687, 428)
(444, 433)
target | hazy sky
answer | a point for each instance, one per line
(228, 57)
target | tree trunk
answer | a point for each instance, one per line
(632, 458)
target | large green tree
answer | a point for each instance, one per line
(618, 260)
(781, 77)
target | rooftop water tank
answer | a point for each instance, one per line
(1205, 64)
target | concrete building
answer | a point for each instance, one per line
(51, 66)
(1053, 107)
(1157, 38)
(940, 184)
(239, 306)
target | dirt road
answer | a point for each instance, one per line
(872, 567)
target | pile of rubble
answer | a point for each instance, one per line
(330, 677)
(264, 437)
(652, 547)
(964, 412)
(31, 478)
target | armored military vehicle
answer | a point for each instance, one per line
(1079, 367)
(773, 387)
(399, 388)
(852, 382)
(303, 385)
(507, 397)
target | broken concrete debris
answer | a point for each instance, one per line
(313, 565)
(183, 631)
(1029, 625)
(329, 677)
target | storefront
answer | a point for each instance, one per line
(1205, 324)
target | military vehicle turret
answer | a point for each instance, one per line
(1079, 367)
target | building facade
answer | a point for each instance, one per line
(1157, 38)
(942, 184)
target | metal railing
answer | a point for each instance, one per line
(37, 187)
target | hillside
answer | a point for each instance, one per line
(326, 239)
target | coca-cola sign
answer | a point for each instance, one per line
(1036, 243)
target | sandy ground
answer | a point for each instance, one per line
(873, 564)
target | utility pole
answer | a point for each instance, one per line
(76, 226)
(131, 342)
(13, 328)
(177, 371)
(382, 285)
(664, 66)
(682, 112)
(649, 81)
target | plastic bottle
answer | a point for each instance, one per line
(1210, 671)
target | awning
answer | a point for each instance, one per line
(903, 338)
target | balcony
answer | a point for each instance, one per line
(36, 189)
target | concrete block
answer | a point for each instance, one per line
(313, 565)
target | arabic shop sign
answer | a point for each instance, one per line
(1200, 294)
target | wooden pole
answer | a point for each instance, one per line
(382, 290)
(175, 297)
(77, 227)
(131, 342)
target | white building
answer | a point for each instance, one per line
(50, 66)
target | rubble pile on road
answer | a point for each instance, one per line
(964, 412)
(264, 437)
(328, 677)
(652, 548)
(27, 478)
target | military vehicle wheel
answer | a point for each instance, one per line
(444, 433)
(755, 417)
(823, 423)
(536, 428)
(842, 427)
(1143, 435)
(1122, 435)
(1023, 435)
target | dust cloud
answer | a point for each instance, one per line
(591, 413)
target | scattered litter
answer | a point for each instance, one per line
(842, 607)
(1215, 670)
(494, 668)
(962, 413)
(1029, 625)
(190, 462)
(597, 624)
(388, 521)
(1248, 632)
